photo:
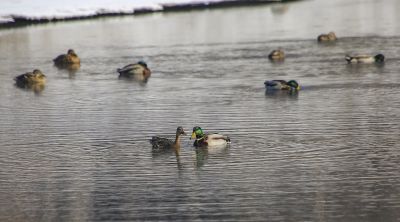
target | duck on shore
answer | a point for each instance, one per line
(162, 144)
(331, 36)
(277, 55)
(138, 71)
(70, 59)
(367, 59)
(209, 140)
(282, 85)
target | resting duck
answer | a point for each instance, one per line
(138, 71)
(209, 140)
(65, 60)
(276, 55)
(160, 143)
(331, 36)
(281, 85)
(365, 59)
(31, 78)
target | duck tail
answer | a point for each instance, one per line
(348, 58)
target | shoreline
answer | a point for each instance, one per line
(22, 21)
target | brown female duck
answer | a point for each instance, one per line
(30, 78)
(330, 37)
(162, 144)
(67, 60)
(277, 55)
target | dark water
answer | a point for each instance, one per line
(79, 150)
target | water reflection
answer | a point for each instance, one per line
(282, 94)
(71, 69)
(140, 79)
(79, 152)
(203, 153)
(279, 9)
(37, 88)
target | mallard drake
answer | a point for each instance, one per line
(30, 78)
(281, 85)
(209, 140)
(365, 59)
(66, 60)
(276, 55)
(331, 36)
(138, 71)
(161, 143)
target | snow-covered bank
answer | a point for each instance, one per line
(41, 11)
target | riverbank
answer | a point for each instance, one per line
(18, 20)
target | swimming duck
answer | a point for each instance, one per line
(209, 140)
(161, 143)
(66, 60)
(331, 36)
(365, 59)
(30, 78)
(138, 71)
(281, 85)
(276, 55)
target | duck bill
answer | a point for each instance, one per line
(193, 136)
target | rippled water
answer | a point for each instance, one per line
(79, 149)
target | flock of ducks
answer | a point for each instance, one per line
(292, 85)
(71, 61)
(140, 71)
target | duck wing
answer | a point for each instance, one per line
(160, 143)
(129, 68)
(60, 59)
(275, 84)
(218, 137)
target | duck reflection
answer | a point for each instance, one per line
(279, 9)
(279, 94)
(203, 153)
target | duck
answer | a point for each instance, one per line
(138, 71)
(276, 55)
(30, 78)
(379, 58)
(162, 144)
(282, 85)
(67, 60)
(330, 37)
(209, 140)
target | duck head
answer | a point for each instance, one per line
(197, 133)
(293, 84)
(38, 75)
(71, 52)
(180, 131)
(142, 63)
(332, 36)
(379, 58)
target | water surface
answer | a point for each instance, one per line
(79, 150)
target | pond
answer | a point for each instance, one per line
(79, 150)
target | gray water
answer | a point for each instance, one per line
(79, 149)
